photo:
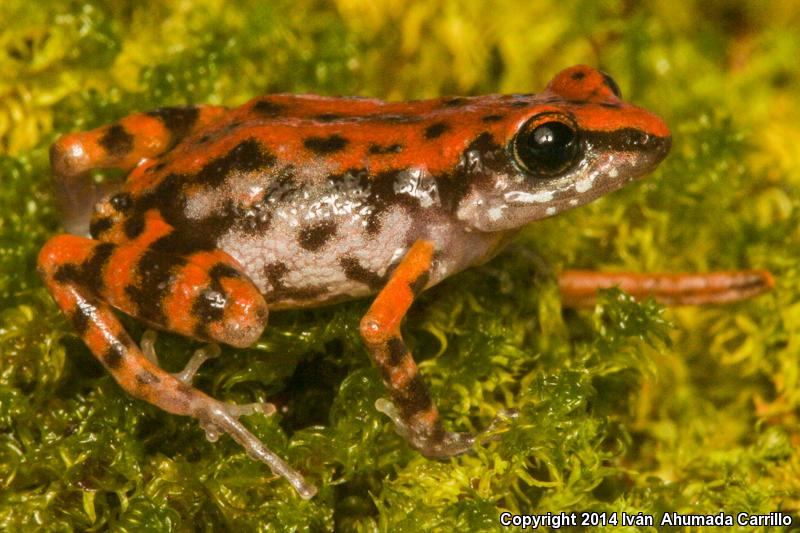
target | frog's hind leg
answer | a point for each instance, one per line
(411, 409)
(579, 287)
(121, 145)
(86, 276)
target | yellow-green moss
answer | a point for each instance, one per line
(627, 408)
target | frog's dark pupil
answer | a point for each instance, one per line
(548, 148)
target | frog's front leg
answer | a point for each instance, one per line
(411, 408)
(203, 294)
(121, 145)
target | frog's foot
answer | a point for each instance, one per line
(199, 357)
(436, 443)
(219, 417)
(441, 444)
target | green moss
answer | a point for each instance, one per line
(629, 408)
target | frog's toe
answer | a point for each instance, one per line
(218, 417)
(148, 345)
(437, 444)
(199, 357)
(440, 443)
(234, 411)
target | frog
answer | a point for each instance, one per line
(296, 201)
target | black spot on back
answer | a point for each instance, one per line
(398, 119)
(247, 156)
(354, 271)
(267, 108)
(328, 117)
(314, 236)
(492, 118)
(394, 148)
(611, 105)
(117, 141)
(455, 102)
(326, 145)
(178, 120)
(578, 76)
(435, 130)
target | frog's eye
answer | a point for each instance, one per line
(546, 145)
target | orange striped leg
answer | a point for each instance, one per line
(579, 287)
(80, 274)
(121, 145)
(411, 408)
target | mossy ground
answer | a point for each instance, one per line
(627, 408)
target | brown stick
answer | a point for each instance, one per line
(579, 287)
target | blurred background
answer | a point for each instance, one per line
(629, 407)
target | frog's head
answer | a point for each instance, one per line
(557, 150)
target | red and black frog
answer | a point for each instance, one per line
(296, 201)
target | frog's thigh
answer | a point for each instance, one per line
(68, 265)
(411, 408)
(203, 295)
(77, 272)
(121, 145)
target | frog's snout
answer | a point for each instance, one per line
(655, 149)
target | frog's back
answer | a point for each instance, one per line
(318, 198)
(342, 133)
